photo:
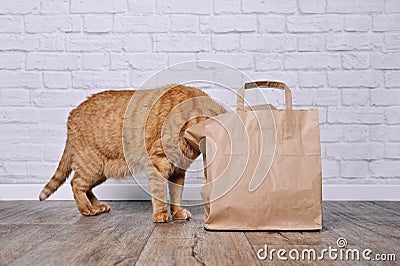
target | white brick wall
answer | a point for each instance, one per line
(340, 56)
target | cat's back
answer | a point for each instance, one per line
(101, 105)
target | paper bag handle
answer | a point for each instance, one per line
(264, 84)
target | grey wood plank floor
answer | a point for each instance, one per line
(54, 233)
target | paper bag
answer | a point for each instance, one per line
(262, 166)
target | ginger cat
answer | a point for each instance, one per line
(115, 133)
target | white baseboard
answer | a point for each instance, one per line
(135, 192)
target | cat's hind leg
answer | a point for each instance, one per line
(101, 207)
(175, 186)
(80, 186)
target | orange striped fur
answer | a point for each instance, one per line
(94, 148)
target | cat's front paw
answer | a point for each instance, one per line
(161, 217)
(182, 214)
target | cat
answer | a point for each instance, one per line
(115, 133)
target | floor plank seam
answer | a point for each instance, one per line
(145, 244)
(194, 253)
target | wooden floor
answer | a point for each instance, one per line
(54, 233)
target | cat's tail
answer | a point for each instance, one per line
(63, 171)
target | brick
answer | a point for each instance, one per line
(389, 60)
(392, 79)
(310, 43)
(385, 97)
(271, 23)
(98, 6)
(17, 79)
(392, 41)
(227, 6)
(95, 61)
(353, 41)
(143, 24)
(55, 116)
(204, 24)
(392, 6)
(19, 6)
(39, 170)
(11, 24)
(140, 62)
(272, 6)
(71, 24)
(54, 6)
(50, 24)
(312, 6)
(314, 23)
(98, 23)
(142, 7)
(237, 23)
(100, 79)
(25, 152)
(392, 115)
(19, 133)
(355, 133)
(11, 60)
(52, 61)
(312, 61)
(392, 150)
(185, 7)
(354, 6)
(391, 133)
(268, 43)
(330, 133)
(385, 168)
(386, 22)
(184, 23)
(265, 62)
(330, 168)
(15, 168)
(354, 97)
(326, 97)
(14, 97)
(354, 78)
(357, 23)
(311, 79)
(18, 43)
(322, 113)
(137, 43)
(57, 80)
(51, 43)
(176, 58)
(356, 60)
(354, 169)
(64, 98)
(94, 44)
(138, 77)
(52, 153)
(355, 151)
(360, 115)
(225, 42)
(19, 115)
(237, 60)
(8, 152)
(182, 43)
(303, 97)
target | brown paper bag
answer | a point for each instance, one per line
(262, 166)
